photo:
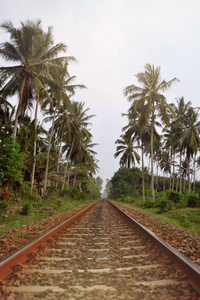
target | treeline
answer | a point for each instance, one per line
(165, 137)
(61, 159)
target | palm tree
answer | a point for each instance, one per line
(59, 95)
(150, 100)
(165, 165)
(78, 128)
(191, 139)
(127, 150)
(34, 54)
(174, 135)
(141, 135)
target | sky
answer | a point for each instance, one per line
(113, 40)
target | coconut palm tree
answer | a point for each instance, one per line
(140, 135)
(174, 135)
(191, 138)
(58, 96)
(150, 100)
(78, 128)
(127, 150)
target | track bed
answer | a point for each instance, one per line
(101, 255)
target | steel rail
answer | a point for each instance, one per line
(20, 256)
(181, 262)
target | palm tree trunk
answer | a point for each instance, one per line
(173, 169)
(194, 169)
(17, 113)
(16, 123)
(180, 173)
(35, 144)
(177, 184)
(74, 182)
(49, 146)
(152, 177)
(59, 150)
(157, 178)
(189, 185)
(143, 183)
(68, 158)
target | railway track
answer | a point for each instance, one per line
(99, 255)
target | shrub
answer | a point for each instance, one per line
(148, 204)
(164, 205)
(26, 209)
(174, 196)
(193, 200)
(127, 199)
(3, 206)
(184, 220)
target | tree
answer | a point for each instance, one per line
(175, 132)
(78, 133)
(127, 150)
(58, 96)
(149, 99)
(191, 138)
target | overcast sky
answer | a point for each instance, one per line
(112, 41)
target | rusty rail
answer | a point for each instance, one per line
(20, 256)
(181, 262)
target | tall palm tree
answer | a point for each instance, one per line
(149, 99)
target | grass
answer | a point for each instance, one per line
(37, 211)
(188, 218)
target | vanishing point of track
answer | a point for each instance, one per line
(102, 254)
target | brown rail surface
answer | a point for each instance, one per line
(101, 255)
(20, 256)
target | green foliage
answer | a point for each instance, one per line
(148, 204)
(11, 163)
(127, 199)
(3, 206)
(126, 182)
(193, 200)
(174, 196)
(184, 221)
(164, 205)
(26, 209)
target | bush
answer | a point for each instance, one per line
(148, 204)
(174, 196)
(127, 199)
(3, 206)
(184, 220)
(164, 205)
(193, 200)
(26, 209)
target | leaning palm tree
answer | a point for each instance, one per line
(149, 99)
